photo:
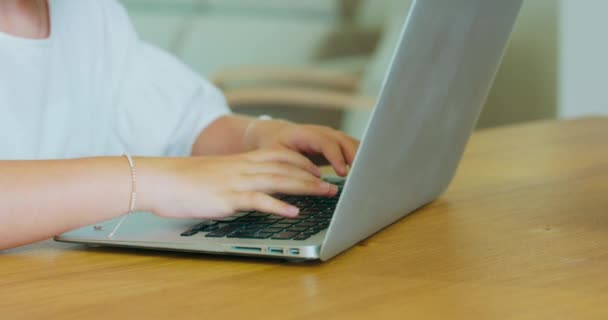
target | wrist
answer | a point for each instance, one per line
(153, 176)
(259, 129)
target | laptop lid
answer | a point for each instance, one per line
(438, 81)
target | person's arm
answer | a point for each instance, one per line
(40, 199)
(232, 134)
(225, 135)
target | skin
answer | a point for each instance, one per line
(237, 163)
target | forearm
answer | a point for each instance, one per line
(40, 199)
(234, 134)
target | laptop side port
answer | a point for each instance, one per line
(272, 250)
(294, 251)
(247, 249)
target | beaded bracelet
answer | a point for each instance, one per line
(133, 195)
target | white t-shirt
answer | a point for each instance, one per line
(93, 88)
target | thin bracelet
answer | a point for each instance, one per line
(251, 125)
(133, 195)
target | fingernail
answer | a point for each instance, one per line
(293, 210)
(334, 188)
(325, 185)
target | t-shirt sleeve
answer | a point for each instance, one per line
(158, 106)
(163, 106)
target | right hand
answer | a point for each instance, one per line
(216, 187)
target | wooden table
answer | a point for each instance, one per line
(521, 234)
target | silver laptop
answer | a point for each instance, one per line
(440, 75)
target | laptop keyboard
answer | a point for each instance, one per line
(315, 216)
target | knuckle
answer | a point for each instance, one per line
(284, 152)
(253, 198)
(277, 179)
(313, 185)
(228, 208)
(284, 168)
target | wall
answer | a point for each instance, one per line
(555, 64)
(211, 34)
(526, 85)
(583, 58)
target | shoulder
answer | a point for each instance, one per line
(92, 18)
(98, 32)
(89, 9)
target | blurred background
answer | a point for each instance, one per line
(323, 61)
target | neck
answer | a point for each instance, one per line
(24, 18)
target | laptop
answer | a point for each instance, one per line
(439, 78)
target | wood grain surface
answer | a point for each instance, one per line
(522, 233)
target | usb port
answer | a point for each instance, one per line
(294, 251)
(276, 250)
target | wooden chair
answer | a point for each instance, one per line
(318, 94)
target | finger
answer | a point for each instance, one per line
(286, 156)
(285, 184)
(324, 141)
(284, 169)
(332, 151)
(259, 201)
(349, 146)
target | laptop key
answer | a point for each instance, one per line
(241, 234)
(296, 229)
(204, 224)
(222, 232)
(302, 237)
(247, 220)
(263, 235)
(228, 219)
(189, 233)
(318, 207)
(267, 221)
(308, 210)
(281, 225)
(250, 235)
(258, 214)
(291, 220)
(306, 224)
(209, 228)
(273, 217)
(285, 235)
(248, 229)
(319, 228)
(257, 225)
(272, 229)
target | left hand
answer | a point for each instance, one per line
(335, 147)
